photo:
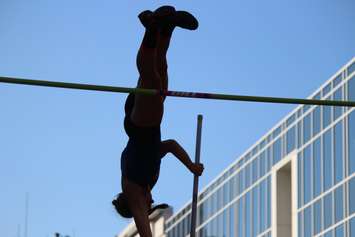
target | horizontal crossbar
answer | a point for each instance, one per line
(175, 93)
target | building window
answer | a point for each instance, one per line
(338, 152)
(306, 108)
(214, 202)
(225, 193)
(328, 210)
(255, 170)
(337, 80)
(327, 160)
(262, 163)
(338, 110)
(327, 88)
(268, 202)
(247, 175)
(247, 214)
(329, 234)
(291, 139)
(316, 120)
(299, 134)
(231, 221)
(299, 178)
(256, 210)
(317, 167)
(307, 128)
(262, 206)
(317, 214)
(351, 89)
(240, 218)
(269, 158)
(339, 204)
(224, 223)
(209, 206)
(290, 120)
(241, 181)
(214, 227)
(326, 115)
(276, 132)
(300, 224)
(339, 231)
(219, 198)
(352, 141)
(351, 68)
(232, 187)
(307, 172)
(277, 151)
(352, 196)
(201, 212)
(307, 228)
(352, 227)
(220, 225)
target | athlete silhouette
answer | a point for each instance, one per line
(141, 158)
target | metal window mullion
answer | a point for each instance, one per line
(228, 221)
(321, 175)
(242, 204)
(312, 222)
(302, 224)
(346, 145)
(283, 140)
(312, 161)
(259, 208)
(300, 139)
(257, 190)
(343, 147)
(236, 217)
(332, 139)
(265, 205)
(250, 211)
(322, 211)
(333, 207)
(258, 160)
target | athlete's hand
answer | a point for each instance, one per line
(197, 169)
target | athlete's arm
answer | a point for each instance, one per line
(173, 147)
(139, 204)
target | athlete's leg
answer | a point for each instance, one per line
(161, 59)
(168, 19)
(148, 110)
(166, 28)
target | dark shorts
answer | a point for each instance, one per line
(140, 160)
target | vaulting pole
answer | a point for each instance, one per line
(175, 93)
(195, 186)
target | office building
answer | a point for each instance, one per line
(297, 180)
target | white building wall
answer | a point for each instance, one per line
(157, 224)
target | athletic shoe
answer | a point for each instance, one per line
(146, 18)
(167, 16)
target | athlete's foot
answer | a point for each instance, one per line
(146, 18)
(115, 203)
(185, 20)
(168, 18)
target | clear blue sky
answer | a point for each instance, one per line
(64, 146)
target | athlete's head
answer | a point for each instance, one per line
(121, 206)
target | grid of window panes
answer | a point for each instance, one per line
(326, 166)
(238, 202)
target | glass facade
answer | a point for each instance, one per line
(322, 139)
